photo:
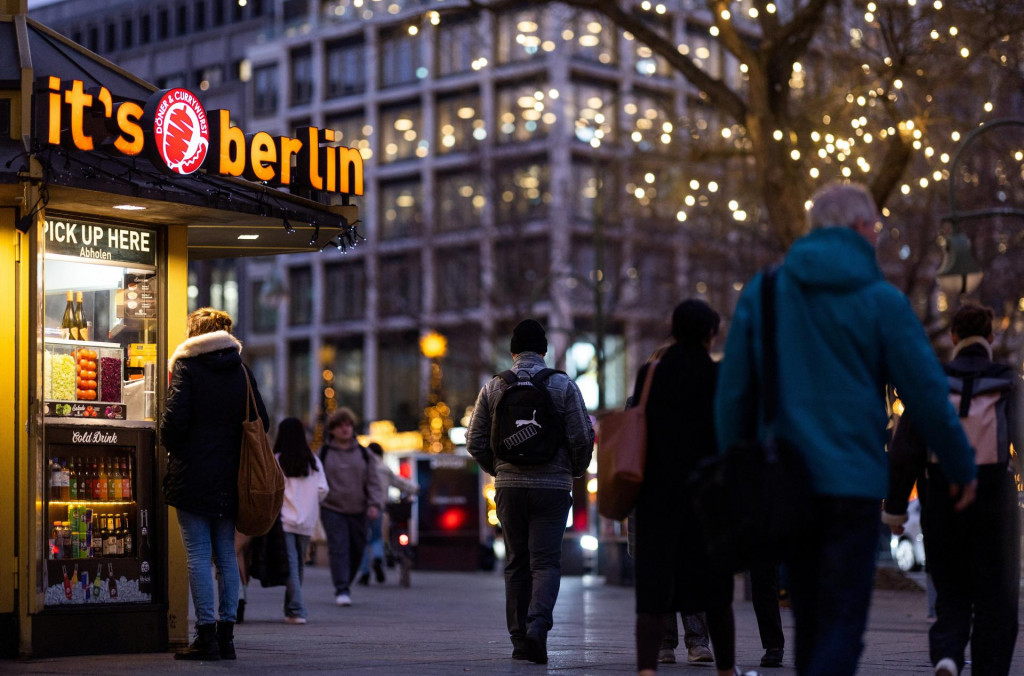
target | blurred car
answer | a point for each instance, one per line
(907, 549)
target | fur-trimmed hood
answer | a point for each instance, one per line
(204, 344)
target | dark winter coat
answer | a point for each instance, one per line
(201, 428)
(672, 569)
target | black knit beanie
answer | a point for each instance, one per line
(528, 336)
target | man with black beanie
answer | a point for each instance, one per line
(533, 500)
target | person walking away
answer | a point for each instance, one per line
(201, 429)
(973, 555)
(549, 427)
(764, 595)
(673, 572)
(374, 551)
(305, 487)
(844, 333)
(355, 496)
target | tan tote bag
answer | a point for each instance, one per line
(260, 479)
(621, 454)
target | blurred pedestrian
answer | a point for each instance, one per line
(373, 554)
(695, 639)
(533, 500)
(843, 333)
(973, 555)
(305, 487)
(201, 429)
(673, 572)
(354, 497)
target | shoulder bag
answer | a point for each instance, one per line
(754, 502)
(260, 479)
(621, 454)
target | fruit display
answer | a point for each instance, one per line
(63, 368)
(87, 371)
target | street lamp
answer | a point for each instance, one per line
(960, 273)
(437, 416)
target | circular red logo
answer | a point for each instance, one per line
(180, 130)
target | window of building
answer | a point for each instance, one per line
(592, 38)
(460, 45)
(199, 15)
(460, 123)
(345, 291)
(585, 270)
(210, 77)
(299, 364)
(646, 62)
(584, 191)
(171, 81)
(181, 24)
(525, 112)
(163, 23)
(401, 209)
(460, 201)
(256, 8)
(346, 72)
(93, 39)
(522, 278)
(110, 41)
(264, 88)
(264, 314)
(237, 11)
(400, 58)
(218, 12)
(520, 35)
(352, 131)
(401, 135)
(302, 76)
(398, 379)
(145, 29)
(457, 280)
(592, 105)
(348, 368)
(398, 288)
(264, 366)
(655, 276)
(128, 34)
(524, 192)
(300, 296)
(648, 119)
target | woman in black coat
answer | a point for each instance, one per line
(673, 573)
(201, 429)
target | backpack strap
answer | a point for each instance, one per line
(965, 396)
(508, 376)
(540, 376)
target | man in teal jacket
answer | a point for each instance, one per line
(843, 334)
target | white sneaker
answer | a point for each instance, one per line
(343, 600)
(295, 620)
(946, 667)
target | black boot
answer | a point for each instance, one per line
(240, 613)
(226, 640)
(378, 570)
(204, 647)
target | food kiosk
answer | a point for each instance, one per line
(107, 188)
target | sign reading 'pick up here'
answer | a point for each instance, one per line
(97, 242)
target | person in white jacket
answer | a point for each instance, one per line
(305, 487)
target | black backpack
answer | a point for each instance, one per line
(527, 429)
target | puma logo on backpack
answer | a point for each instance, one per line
(527, 429)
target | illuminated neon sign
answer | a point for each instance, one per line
(177, 135)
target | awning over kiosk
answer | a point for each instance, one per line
(226, 216)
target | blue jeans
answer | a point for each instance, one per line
(533, 522)
(296, 547)
(209, 538)
(375, 545)
(346, 539)
(831, 576)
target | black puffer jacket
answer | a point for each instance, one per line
(202, 424)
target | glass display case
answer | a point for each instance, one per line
(83, 379)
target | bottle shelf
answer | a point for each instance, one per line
(105, 503)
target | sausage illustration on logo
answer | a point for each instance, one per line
(178, 130)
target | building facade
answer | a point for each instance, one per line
(523, 163)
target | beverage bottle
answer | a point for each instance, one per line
(118, 536)
(67, 583)
(104, 484)
(128, 539)
(126, 479)
(65, 481)
(110, 546)
(145, 576)
(80, 323)
(86, 587)
(115, 480)
(95, 487)
(74, 576)
(73, 479)
(111, 582)
(54, 479)
(55, 540)
(97, 587)
(68, 330)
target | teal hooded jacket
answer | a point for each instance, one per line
(843, 334)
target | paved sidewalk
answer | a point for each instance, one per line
(453, 623)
